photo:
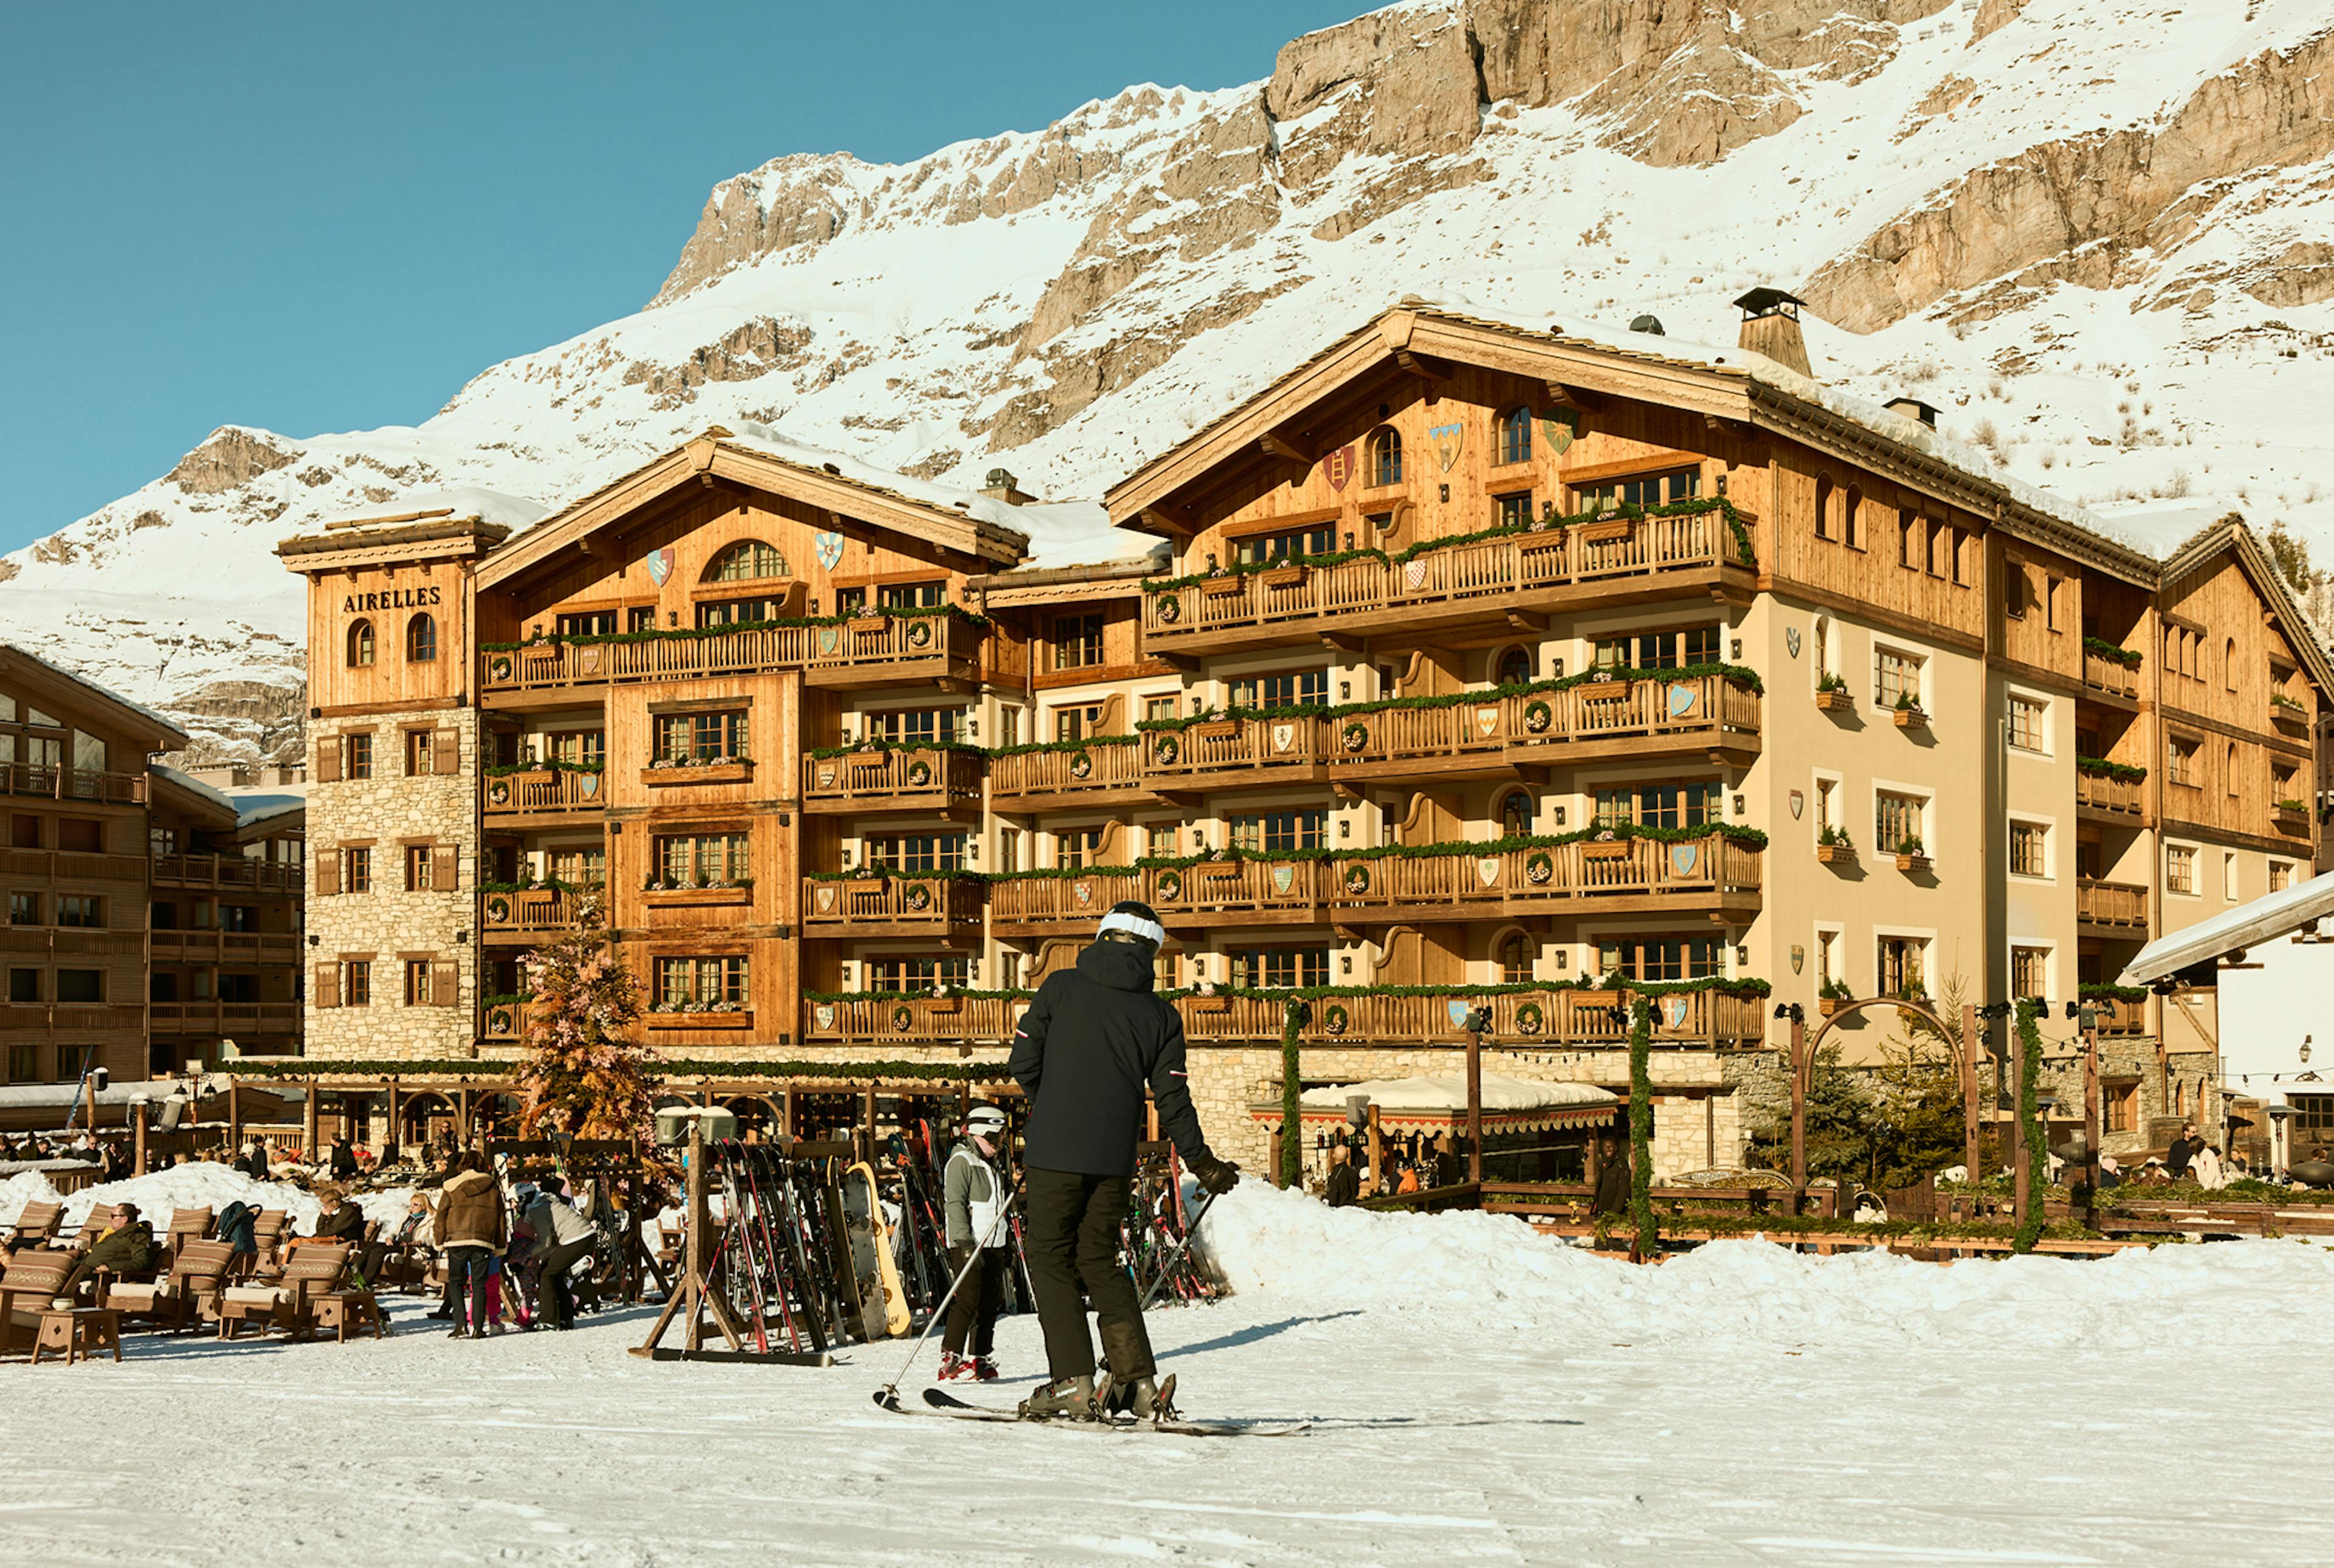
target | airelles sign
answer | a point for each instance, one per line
(391, 598)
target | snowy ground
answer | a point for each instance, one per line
(1741, 1406)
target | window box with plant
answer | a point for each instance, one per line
(690, 770)
(1834, 846)
(659, 893)
(1832, 694)
(1910, 855)
(1910, 715)
(2287, 713)
(698, 1015)
(1831, 996)
(2293, 814)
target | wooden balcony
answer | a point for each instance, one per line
(1105, 770)
(1247, 892)
(894, 779)
(504, 1023)
(1237, 753)
(233, 873)
(74, 1017)
(1035, 904)
(526, 914)
(2121, 906)
(549, 791)
(2292, 820)
(2104, 673)
(225, 1018)
(1554, 1017)
(2119, 1015)
(1617, 875)
(876, 651)
(73, 941)
(2292, 718)
(1616, 561)
(910, 1020)
(2118, 797)
(1631, 717)
(893, 904)
(234, 947)
(72, 783)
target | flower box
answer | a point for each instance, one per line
(1212, 1004)
(1836, 854)
(1616, 849)
(1595, 690)
(1216, 729)
(945, 1005)
(694, 898)
(1914, 863)
(534, 775)
(1596, 998)
(705, 773)
(1828, 1006)
(1217, 869)
(869, 623)
(2293, 720)
(700, 1020)
(1606, 529)
(1219, 587)
(1835, 702)
(1285, 576)
(1912, 718)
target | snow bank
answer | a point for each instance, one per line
(194, 1185)
(1495, 1269)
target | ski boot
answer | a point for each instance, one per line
(1070, 1399)
(984, 1370)
(1144, 1399)
(954, 1368)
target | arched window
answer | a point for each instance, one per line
(1385, 456)
(1852, 518)
(746, 562)
(1515, 958)
(2229, 663)
(1515, 436)
(361, 645)
(1516, 814)
(1515, 666)
(2232, 780)
(422, 639)
(1823, 508)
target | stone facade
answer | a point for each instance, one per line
(389, 813)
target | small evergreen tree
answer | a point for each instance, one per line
(584, 1064)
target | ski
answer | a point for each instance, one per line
(948, 1405)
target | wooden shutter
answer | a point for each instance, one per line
(326, 991)
(328, 760)
(445, 981)
(445, 872)
(328, 869)
(446, 751)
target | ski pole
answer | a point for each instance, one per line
(888, 1396)
(1174, 1258)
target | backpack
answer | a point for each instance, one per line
(236, 1223)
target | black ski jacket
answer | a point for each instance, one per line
(1094, 1036)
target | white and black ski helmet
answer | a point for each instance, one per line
(1136, 919)
(984, 1121)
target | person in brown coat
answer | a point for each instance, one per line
(473, 1229)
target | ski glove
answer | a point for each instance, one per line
(1218, 1176)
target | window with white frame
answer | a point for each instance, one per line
(2029, 849)
(1903, 968)
(1896, 677)
(2028, 725)
(2229, 875)
(2029, 972)
(1897, 821)
(2179, 869)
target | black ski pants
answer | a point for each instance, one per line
(972, 1316)
(1072, 1241)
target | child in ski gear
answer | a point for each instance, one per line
(1091, 1040)
(975, 1195)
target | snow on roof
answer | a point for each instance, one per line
(464, 501)
(1501, 1091)
(167, 723)
(197, 787)
(1065, 533)
(998, 515)
(262, 805)
(2263, 920)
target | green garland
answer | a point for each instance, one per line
(881, 874)
(1322, 559)
(864, 746)
(1061, 873)
(1732, 985)
(543, 885)
(671, 1068)
(2096, 991)
(1737, 674)
(2029, 1124)
(1751, 838)
(1292, 1097)
(503, 770)
(2128, 658)
(1641, 1128)
(695, 633)
(925, 995)
(507, 999)
(2099, 767)
(1029, 747)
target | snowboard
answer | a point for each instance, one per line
(948, 1404)
(884, 1303)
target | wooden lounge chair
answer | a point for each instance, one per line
(186, 1295)
(35, 1275)
(94, 1224)
(265, 1259)
(315, 1269)
(37, 1224)
(186, 1225)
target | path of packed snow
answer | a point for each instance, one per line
(1478, 1395)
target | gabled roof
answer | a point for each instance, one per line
(2230, 535)
(2264, 919)
(1722, 383)
(963, 521)
(38, 675)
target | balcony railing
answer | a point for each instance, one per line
(1555, 1017)
(228, 872)
(904, 901)
(1047, 899)
(215, 947)
(2100, 792)
(505, 1022)
(2105, 672)
(2119, 1015)
(547, 790)
(1641, 705)
(2290, 819)
(1255, 889)
(908, 1020)
(901, 778)
(1496, 568)
(1107, 762)
(1527, 878)
(60, 1017)
(1261, 745)
(71, 784)
(872, 642)
(2111, 903)
(217, 1017)
(528, 909)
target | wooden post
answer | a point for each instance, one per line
(867, 1132)
(786, 1103)
(2021, 1164)
(391, 1146)
(1970, 1147)
(1474, 1105)
(2091, 1116)
(308, 1115)
(233, 1118)
(1377, 1148)
(1799, 1108)
(1272, 1158)
(693, 1337)
(137, 1139)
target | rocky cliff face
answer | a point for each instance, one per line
(2093, 230)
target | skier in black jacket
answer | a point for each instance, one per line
(1090, 1042)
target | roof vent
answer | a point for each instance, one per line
(1914, 408)
(1649, 324)
(1771, 326)
(1003, 486)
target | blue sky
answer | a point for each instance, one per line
(313, 217)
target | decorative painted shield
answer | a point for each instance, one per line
(1413, 573)
(660, 565)
(587, 659)
(1684, 858)
(1337, 468)
(1791, 641)
(1283, 878)
(1673, 1010)
(827, 775)
(1458, 1010)
(588, 785)
(1447, 440)
(1489, 870)
(1681, 699)
(825, 1013)
(824, 898)
(1487, 722)
(1799, 803)
(1559, 427)
(830, 639)
(1082, 892)
(829, 546)
(1798, 958)
(1284, 735)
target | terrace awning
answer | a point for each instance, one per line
(2263, 920)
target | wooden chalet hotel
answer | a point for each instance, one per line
(1481, 663)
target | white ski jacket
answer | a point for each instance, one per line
(975, 1197)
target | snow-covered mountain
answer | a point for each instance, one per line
(2094, 231)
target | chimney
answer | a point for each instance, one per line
(1003, 486)
(1771, 326)
(1914, 408)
